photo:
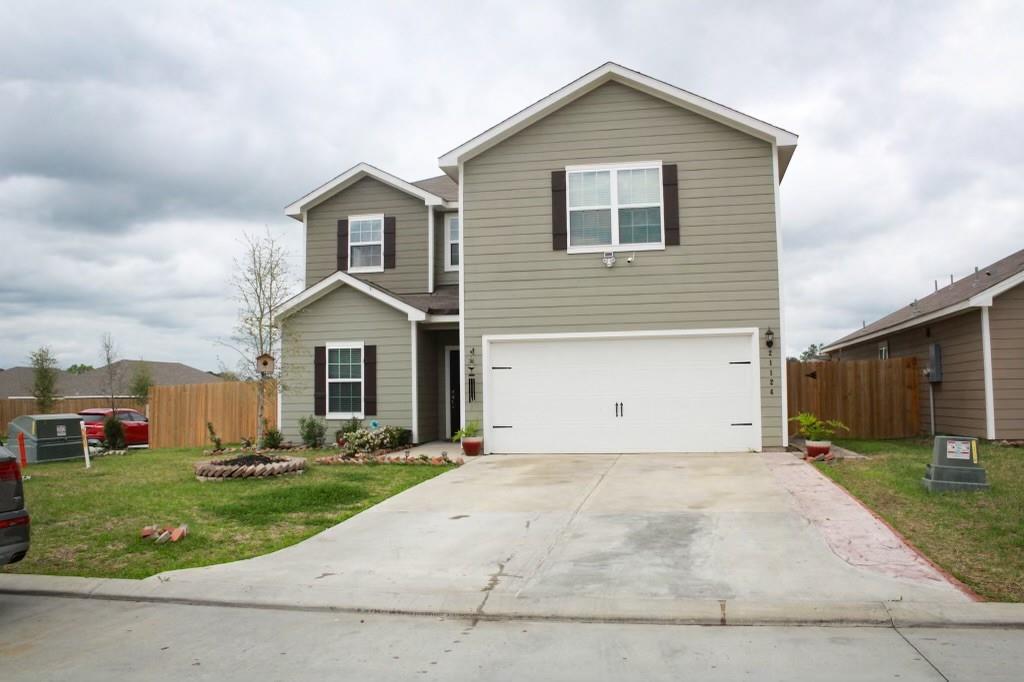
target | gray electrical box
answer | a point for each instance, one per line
(48, 437)
(955, 465)
(935, 363)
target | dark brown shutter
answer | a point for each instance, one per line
(670, 190)
(389, 242)
(320, 381)
(559, 234)
(370, 380)
(343, 245)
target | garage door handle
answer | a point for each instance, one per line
(622, 409)
(617, 408)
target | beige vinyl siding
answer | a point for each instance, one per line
(1006, 320)
(369, 195)
(347, 315)
(440, 248)
(960, 396)
(724, 273)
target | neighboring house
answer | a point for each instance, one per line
(969, 338)
(597, 273)
(16, 382)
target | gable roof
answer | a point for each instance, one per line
(339, 279)
(610, 71)
(441, 185)
(350, 177)
(972, 291)
(17, 381)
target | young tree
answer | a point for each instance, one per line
(813, 352)
(44, 379)
(111, 373)
(261, 282)
(141, 382)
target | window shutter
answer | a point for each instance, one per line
(389, 242)
(559, 233)
(343, 245)
(320, 381)
(370, 380)
(670, 191)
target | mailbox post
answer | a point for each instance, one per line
(955, 465)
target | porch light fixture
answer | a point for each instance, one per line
(769, 338)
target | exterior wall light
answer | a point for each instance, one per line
(769, 338)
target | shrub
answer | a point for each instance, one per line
(113, 433)
(470, 430)
(372, 440)
(813, 428)
(351, 426)
(312, 430)
(214, 438)
(272, 439)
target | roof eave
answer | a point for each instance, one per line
(350, 177)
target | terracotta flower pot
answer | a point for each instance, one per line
(818, 447)
(471, 447)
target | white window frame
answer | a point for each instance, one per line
(448, 241)
(339, 345)
(883, 350)
(369, 268)
(614, 207)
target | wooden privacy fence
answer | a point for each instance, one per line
(875, 398)
(10, 408)
(178, 414)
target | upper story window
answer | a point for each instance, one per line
(451, 242)
(615, 205)
(345, 380)
(883, 350)
(366, 243)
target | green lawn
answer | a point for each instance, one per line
(87, 523)
(978, 537)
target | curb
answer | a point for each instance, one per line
(507, 607)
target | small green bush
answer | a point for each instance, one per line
(313, 431)
(272, 439)
(384, 438)
(214, 438)
(113, 433)
(470, 430)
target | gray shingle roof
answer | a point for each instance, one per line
(957, 292)
(441, 185)
(17, 381)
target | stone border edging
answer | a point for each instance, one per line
(211, 470)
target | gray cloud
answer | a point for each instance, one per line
(141, 140)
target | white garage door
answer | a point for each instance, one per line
(623, 394)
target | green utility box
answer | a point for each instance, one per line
(955, 465)
(48, 437)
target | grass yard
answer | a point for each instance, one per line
(87, 523)
(978, 537)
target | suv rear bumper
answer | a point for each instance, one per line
(14, 540)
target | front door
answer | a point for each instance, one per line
(454, 407)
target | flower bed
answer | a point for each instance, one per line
(389, 457)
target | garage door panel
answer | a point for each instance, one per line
(678, 394)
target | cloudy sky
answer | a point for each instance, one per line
(139, 141)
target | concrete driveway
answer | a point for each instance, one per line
(569, 534)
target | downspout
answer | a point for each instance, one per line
(430, 249)
(986, 354)
(413, 340)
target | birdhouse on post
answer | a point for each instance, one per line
(265, 364)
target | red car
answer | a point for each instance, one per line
(136, 426)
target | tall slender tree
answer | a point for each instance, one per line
(44, 379)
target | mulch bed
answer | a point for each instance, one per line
(388, 457)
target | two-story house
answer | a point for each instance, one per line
(597, 273)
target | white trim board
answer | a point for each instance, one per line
(329, 284)
(784, 140)
(986, 355)
(352, 176)
(753, 332)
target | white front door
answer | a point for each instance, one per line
(681, 392)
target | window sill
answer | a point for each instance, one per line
(357, 271)
(615, 248)
(451, 268)
(344, 415)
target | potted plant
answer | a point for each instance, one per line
(818, 432)
(472, 443)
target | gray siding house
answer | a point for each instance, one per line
(969, 336)
(597, 273)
